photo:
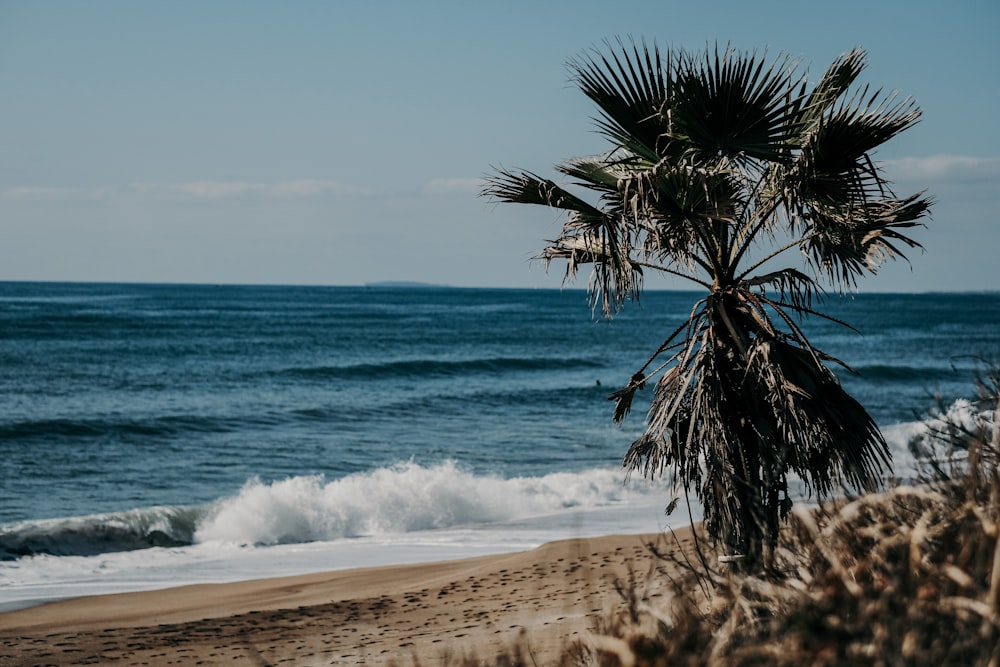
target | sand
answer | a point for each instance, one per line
(436, 612)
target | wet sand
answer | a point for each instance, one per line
(543, 599)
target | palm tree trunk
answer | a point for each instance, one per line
(748, 532)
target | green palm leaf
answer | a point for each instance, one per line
(732, 105)
(630, 88)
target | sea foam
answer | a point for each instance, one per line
(404, 498)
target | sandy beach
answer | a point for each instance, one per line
(543, 598)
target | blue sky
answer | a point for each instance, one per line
(343, 142)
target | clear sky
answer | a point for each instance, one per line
(343, 142)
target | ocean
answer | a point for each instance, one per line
(155, 435)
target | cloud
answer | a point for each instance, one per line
(227, 189)
(310, 188)
(448, 186)
(194, 190)
(207, 189)
(944, 168)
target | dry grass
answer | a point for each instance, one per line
(906, 578)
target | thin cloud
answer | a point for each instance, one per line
(198, 189)
(228, 189)
(947, 168)
(312, 188)
(193, 190)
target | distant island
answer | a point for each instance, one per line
(403, 283)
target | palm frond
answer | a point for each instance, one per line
(790, 283)
(834, 84)
(630, 88)
(528, 188)
(594, 173)
(590, 235)
(835, 166)
(675, 203)
(843, 245)
(731, 104)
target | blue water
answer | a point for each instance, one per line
(161, 403)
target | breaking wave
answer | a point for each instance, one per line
(403, 498)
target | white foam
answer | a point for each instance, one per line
(401, 499)
(961, 412)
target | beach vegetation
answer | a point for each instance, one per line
(740, 174)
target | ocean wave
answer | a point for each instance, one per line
(400, 499)
(435, 367)
(139, 427)
(905, 373)
(403, 498)
(101, 533)
(153, 427)
(962, 413)
(914, 444)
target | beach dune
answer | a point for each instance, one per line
(543, 599)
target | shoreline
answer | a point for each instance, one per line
(543, 599)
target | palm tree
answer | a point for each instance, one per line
(733, 172)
